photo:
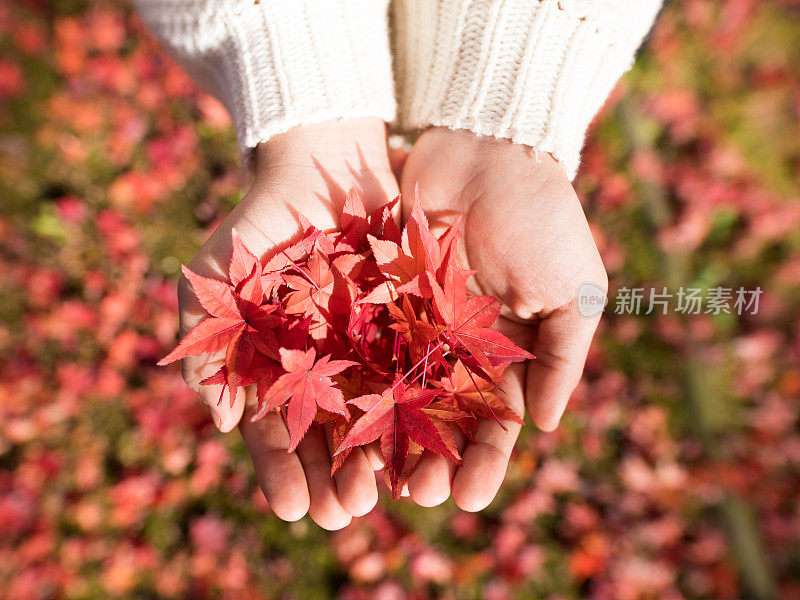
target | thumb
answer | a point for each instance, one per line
(562, 343)
(225, 414)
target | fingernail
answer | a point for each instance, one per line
(216, 417)
(225, 416)
(550, 425)
(523, 312)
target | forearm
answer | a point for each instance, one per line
(276, 65)
(532, 72)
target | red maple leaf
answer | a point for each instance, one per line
(398, 416)
(295, 253)
(354, 224)
(307, 385)
(468, 324)
(418, 241)
(406, 265)
(382, 224)
(419, 333)
(474, 396)
(322, 290)
(338, 430)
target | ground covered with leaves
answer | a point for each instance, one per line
(676, 471)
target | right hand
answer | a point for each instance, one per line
(528, 240)
(307, 170)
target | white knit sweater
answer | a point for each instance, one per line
(535, 72)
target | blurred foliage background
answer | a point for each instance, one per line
(676, 473)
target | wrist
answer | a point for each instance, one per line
(359, 143)
(480, 152)
(324, 161)
(453, 163)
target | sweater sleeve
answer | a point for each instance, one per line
(276, 64)
(533, 71)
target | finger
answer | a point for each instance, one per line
(355, 482)
(225, 414)
(325, 508)
(429, 483)
(562, 343)
(374, 456)
(280, 474)
(485, 459)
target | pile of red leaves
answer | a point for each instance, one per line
(367, 327)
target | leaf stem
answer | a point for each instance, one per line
(486, 402)
(412, 369)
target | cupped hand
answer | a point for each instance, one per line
(526, 236)
(307, 171)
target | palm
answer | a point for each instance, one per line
(527, 238)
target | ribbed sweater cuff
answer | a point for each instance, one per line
(533, 72)
(276, 65)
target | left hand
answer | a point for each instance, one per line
(527, 237)
(306, 170)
